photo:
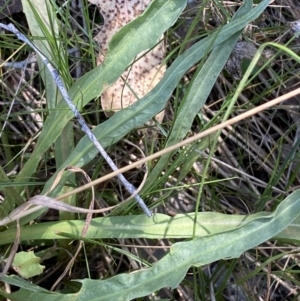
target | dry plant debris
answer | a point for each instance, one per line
(144, 74)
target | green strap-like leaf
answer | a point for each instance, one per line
(198, 93)
(143, 110)
(171, 269)
(162, 13)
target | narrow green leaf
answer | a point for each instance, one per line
(43, 26)
(39, 16)
(194, 100)
(143, 110)
(171, 269)
(197, 94)
(158, 227)
(93, 83)
(291, 233)
(11, 194)
(64, 145)
(19, 282)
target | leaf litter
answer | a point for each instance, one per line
(144, 73)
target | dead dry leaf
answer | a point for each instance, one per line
(144, 74)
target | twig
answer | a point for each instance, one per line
(129, 187)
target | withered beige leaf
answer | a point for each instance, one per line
(147, 70)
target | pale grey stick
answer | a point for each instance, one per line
(129, 187)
